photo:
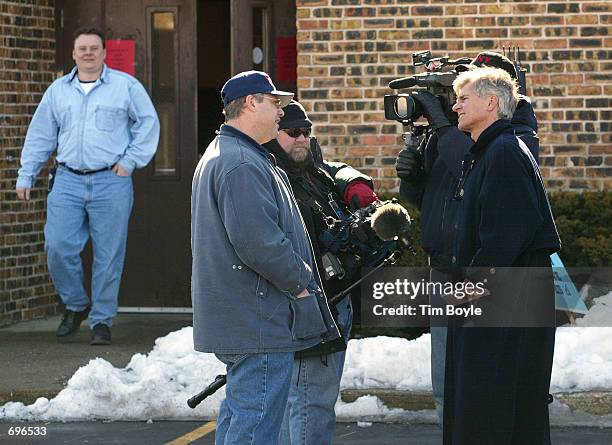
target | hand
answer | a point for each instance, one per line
(302, 294)
(433, 109)
(120, 170)
(408, 160)
(23, 194)
(358, 194)
(470, 293)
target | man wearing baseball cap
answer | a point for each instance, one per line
(256, 293)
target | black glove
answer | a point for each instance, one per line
(408, 163)
(432, 109)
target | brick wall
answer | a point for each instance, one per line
(348, 51)
(27, 61)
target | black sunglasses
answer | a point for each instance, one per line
(296, 132)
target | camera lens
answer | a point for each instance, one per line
(402, 107)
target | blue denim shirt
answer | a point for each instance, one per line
(115, 123)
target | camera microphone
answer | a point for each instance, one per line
(404, 82)
(390, 220)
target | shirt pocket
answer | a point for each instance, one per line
(108, 118)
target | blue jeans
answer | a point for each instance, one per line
(438, 346)
(315, 383)
(438, 360)
(255, 398)
(79, 207)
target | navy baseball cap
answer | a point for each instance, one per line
(252, 82)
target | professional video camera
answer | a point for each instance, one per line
(352, 242)
(402, 107)
(438, 80)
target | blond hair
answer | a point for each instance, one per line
(491, 82)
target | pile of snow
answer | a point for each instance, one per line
(583, 360)
(600, 313)
(155, 386)
(388, 362)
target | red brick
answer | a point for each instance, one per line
(379, 140)
(364, 151)
(581, 19)
(550, 43)
(312, 24)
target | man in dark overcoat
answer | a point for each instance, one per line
(497, 378)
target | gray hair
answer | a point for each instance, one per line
(234, 108)
(491, 82)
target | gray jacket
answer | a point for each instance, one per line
(251, 255)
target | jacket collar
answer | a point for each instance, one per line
(228, 130)
(486, 137)
(285, 162)
(104, 77)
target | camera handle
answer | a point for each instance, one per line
(414, 136)
(339, 296)
(217, 384)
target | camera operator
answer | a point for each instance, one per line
(323, 190)
(428, 180)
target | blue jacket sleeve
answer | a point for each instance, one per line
(145, 129)
(40, 141)
(250, 214)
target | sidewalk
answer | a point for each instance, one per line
(35, 365)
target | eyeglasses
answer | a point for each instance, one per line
(296, 132)
(277, 102)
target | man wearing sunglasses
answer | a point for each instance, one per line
(256, 292)
(322, 190)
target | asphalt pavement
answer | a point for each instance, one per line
(183, 433)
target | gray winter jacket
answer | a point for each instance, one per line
(251, 255)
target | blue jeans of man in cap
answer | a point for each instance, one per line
(80, 206)
(255, 398)
(310, 418)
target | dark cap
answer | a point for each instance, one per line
(495, 60)
(295, 117)
(463, 67)
(251, 82)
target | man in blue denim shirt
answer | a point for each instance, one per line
(104, 125)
